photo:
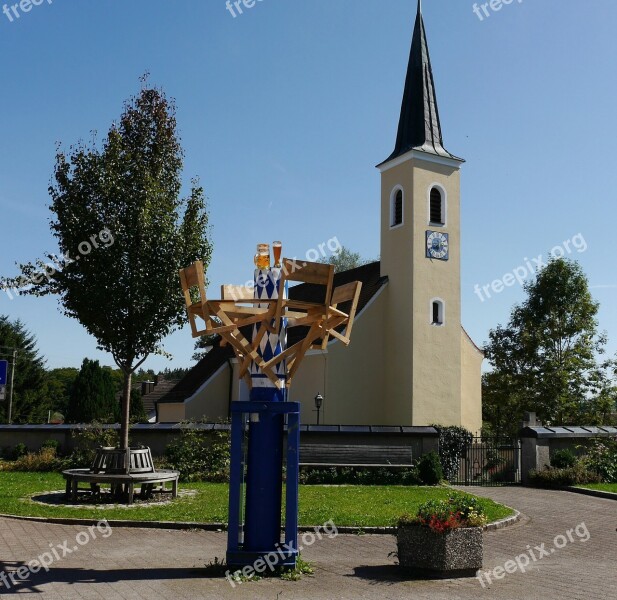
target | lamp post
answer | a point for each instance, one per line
(318, 403)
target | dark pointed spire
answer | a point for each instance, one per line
(419, 127)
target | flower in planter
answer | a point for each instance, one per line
(443, 515)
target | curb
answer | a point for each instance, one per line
(179, 525)
(595, 493)
(187, 526)
(515, 518)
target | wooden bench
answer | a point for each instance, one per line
(109, 467)
(331, 455)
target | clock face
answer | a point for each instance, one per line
(437, 245)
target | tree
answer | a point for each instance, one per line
(93, 396)
(345, 260)
(30, 403)
(203, 345)
(124, 231)
(549, 358)
(59, 384)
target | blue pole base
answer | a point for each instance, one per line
(277, 557)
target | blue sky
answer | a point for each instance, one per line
(285, 110)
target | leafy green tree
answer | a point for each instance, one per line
(119, 209)
(59, 384)
(138, 413)
(549, 358)
(92, 395)
(345, 260)
(30, 402)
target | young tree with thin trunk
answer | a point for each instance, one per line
(124, 231)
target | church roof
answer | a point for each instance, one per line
(372, 282)
(419, 126)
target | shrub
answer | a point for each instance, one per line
(87, 440)
(44, 460)
(19, 450)
(200, 455)
(563, 459)
(429, 469)
(453, 442)
(53, 444)
(601, 459)
(557, 478)
(359, 476)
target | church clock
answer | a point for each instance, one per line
(437, 245)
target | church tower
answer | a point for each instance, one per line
(420, 255)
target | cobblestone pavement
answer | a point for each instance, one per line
(150, 563)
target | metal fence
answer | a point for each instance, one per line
(490, 462)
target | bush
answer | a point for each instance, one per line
(453, 442)
(19, 450)
(53, 444)
(86, 442)
(200, 455)
(601, 459)
(563, 459)
(429, 469)
(45, 460)
(557, 478)
(359, 476)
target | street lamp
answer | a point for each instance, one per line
(318, 403)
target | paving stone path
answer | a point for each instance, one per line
(150, 563)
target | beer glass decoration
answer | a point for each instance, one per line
(277, 248)
(262, 258)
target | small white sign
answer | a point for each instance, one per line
(2, 392)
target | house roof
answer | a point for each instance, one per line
(372, 282)
(419, 126)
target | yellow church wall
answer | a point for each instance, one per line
(171, 413)
(210, 402)
(422, 361)
(436, 349)
(350, 378)
(396, 261)
(471, 384)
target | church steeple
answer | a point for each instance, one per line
(419, 126)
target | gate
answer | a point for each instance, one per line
(490, 462)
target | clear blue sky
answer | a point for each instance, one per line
(285, 110)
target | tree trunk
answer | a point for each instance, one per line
(126, 411)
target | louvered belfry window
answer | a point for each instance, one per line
(397, 209)
(436, 207)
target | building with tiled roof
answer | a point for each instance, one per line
(410, 361)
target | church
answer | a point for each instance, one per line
(410, 362)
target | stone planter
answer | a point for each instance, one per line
(456, 553)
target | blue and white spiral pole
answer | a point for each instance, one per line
(256, 532)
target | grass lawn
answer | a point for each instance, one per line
(357, 506)
(603, 487)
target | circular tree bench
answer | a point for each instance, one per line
(109, 468)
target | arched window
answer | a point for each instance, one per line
(437, 312)
(396, 208)
(437, 207)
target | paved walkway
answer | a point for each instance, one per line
(149, 563)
